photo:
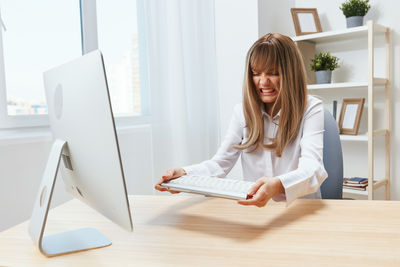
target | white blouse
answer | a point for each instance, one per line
(300, 168)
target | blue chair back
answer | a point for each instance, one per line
(332, 187)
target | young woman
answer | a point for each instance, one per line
(277, 131)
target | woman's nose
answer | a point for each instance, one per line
(264, 80)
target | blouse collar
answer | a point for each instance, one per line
(264, 113)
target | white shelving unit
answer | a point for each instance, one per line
(369, 31)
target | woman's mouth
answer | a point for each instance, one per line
(267, 91)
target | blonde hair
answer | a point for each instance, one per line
(274, 52)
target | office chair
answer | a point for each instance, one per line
(332, 187)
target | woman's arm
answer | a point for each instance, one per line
(308, 176)
(310, 173)
(221, 163)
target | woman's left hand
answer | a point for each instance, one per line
(262, 191)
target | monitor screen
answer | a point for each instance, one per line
(80, 113)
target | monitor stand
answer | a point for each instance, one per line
(66, 242)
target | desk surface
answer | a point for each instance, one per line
(187, 231)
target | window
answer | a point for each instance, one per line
(118, 39)
(116, 28)
(37, 35)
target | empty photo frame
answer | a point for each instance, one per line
(350, 115)
(306, 20)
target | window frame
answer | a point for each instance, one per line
(89, 42)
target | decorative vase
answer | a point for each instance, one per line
(323, 76)
(354, 21)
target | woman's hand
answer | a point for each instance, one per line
(262, 191)
(169, 175)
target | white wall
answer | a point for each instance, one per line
(273, 17)
(22, 161)
(236, 29)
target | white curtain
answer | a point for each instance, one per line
(182, 81)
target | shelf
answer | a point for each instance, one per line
(377, 81)
(337, 85)
(377, 184)
(334, 36)
(363, 137)
(360, 137)
(355, 192)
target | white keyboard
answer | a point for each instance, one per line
(211, 186)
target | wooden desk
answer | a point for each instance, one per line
(199, 231)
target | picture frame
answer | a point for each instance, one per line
(350, 115)
(305, 20)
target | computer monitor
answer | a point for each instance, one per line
(86, 143)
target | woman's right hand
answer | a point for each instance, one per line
(169, 175)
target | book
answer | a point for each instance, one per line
(334, 109)
(355, 180)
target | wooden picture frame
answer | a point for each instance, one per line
(350, 115)
(306, 20)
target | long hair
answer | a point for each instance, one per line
(274, 52)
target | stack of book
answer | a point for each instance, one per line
(356, 183)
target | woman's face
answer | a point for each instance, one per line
(267, 85)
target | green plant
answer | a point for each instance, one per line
(352, 8)
(324, 61)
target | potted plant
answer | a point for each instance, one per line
(354, 11)
(323, 64)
